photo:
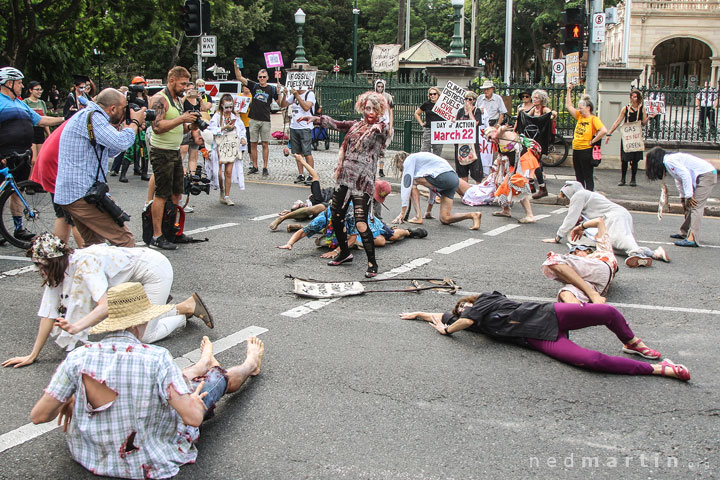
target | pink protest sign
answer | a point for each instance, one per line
(273, 59)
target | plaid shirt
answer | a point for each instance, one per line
(77, 163)
(141, 375)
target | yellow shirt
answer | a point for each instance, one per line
(585, 131)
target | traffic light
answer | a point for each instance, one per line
(191, 19)
(573, 22)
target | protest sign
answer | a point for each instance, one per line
(228, 148)
(273, 59)
(462, 131)
(385, 58)
(451, 100)
(654, 106)
(572, 68)
(242, 104)
(300, 80)
(632, 137)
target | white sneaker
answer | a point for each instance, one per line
(661, 254)
(188, 209)
(222, 197)
(228, 201)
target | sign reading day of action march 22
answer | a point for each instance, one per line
(461, 131)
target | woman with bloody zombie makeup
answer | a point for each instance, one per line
(355, 172)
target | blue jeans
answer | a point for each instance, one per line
(215, 385)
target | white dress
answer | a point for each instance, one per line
(213, 168)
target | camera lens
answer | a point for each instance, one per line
(201, 124)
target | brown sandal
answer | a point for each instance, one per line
(202, 312)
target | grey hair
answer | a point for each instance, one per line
(587, 101)
(109, 97)
(542, 95)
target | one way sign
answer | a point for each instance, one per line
(208, 46)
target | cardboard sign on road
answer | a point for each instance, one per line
(300, 80)
(451, 100)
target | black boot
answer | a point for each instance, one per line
(123, 171)
(144, 168)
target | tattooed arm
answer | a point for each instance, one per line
(160, 125)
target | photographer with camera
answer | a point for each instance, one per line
(137, 154)
(169, 127)
(90, 137)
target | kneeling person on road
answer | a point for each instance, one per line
(169, 126)
(144, 412)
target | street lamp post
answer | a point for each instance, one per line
(299, 50)
(356, 13)
(456, 45)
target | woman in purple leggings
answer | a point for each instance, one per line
(545, 326)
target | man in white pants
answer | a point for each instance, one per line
(587, 204)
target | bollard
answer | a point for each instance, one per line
(407, 136)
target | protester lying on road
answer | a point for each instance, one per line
(545, 327)
(76, 284)
(586, 271)
(127, 408)
(619, 222)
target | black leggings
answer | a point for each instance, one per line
(361, 207)
(583, 168)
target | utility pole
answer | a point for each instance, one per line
(594, 49)
(407, 25)
(199, 59)
(508, 38)
(356, 13)
(473, 13)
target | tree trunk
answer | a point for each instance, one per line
(401, 23)
(176, 52)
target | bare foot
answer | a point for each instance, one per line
(527, 220)
(255, 352)
(207, 359)
(428, 215)
(596, 298)
(416, 220)
(293, 227)
(275, 223)
(476, 216)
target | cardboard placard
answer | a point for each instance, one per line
(451, 100)
(242, 104)
(632, 137)
(572, 68)
(228, 147)
(654, 106)
(461, 131)
(300, 80)
(385, 58)
(273, 59)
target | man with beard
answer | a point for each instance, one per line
(170, 124)
(90, 137)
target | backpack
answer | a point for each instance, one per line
(173, 224)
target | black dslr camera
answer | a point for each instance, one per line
(135, 103)
(98, 195)
(198, 183)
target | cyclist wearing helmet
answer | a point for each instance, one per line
(16, 123)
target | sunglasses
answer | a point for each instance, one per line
(524, 96)
(262, 76)
(469, 99)
(433, 94)
(37, 89)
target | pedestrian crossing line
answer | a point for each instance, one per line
(212, 227)
(614, 304)
(540, 217)
(15, 258)
(315, 305)
(503, 229)
(458, 246)
(560, 210)
(673, 243)
(264, 217)
(17, 271)
(30, 431)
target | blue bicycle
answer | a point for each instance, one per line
(26, 208)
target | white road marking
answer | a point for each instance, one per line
(458, 246)
(503, 229)
(614, 304)
(17, 271)
(560, 210)
(673, 243)
(13, 257)
(264, 217)
(540, 217)
(314, 305)
(309, 307)
(29, 431)
(212, 227)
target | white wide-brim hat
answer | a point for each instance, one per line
(487, 84)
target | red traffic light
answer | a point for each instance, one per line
(576, 31)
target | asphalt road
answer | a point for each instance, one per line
(348, 390)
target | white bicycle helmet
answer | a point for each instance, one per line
(8, 74)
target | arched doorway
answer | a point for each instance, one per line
(682, 61)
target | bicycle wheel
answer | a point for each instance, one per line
(38, 219)
(557, 152)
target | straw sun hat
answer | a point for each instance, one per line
(128, 306)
